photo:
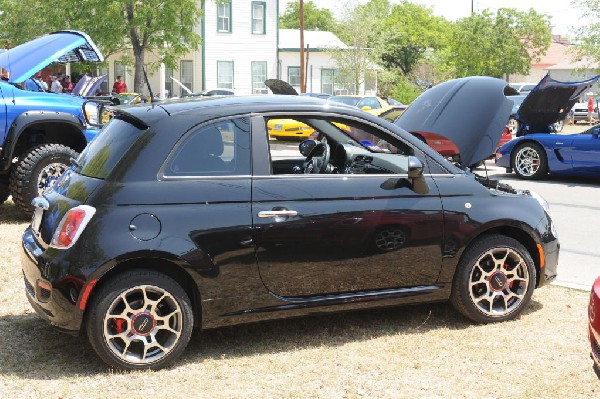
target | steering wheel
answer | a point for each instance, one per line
(317, 163)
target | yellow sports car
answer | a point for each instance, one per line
(288, 128)
(372, 104)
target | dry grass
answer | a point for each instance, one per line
(426, 351)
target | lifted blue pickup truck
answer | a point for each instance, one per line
(40, 131)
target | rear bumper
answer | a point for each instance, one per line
(52, 294)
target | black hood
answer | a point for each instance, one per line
(278, 86)
(472, 112)
(550, 101)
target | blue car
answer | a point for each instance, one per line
(538, 151)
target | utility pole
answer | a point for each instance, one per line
(302, 84)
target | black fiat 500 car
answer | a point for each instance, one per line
(184, 214)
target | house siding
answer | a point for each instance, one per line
(240, 46)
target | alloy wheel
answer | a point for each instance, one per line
(142, 325)
(49, 175)
(498, 282)
(527, 161)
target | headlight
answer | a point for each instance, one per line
(540, 200)
(90, 110)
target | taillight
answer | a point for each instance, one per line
(71, 226)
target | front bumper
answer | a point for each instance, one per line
(52, 294)
(594, 322)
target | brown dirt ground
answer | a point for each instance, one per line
(426, 351)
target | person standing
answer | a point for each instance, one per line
(67, 85)
(119, 86)
(591, 106)
(31, 85)
(55, 86)
(40, 81)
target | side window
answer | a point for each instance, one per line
(218, 149)
(335, 146)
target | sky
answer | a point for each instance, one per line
(564, 16)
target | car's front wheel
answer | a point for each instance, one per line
(37, 170)
(140, 320)
(494, 280)
(529, 161)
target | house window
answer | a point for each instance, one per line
(258, 17)
(327, 80)
(259, 75)
(186, 74)
(224, 16)
(102, 70)
(225, 74)
(294, 76)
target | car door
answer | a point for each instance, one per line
(345, 230)
(585, 152)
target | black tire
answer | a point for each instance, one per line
(529, 161)
(494, 280)
(140, 324)
(36, 170)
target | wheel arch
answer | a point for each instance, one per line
(42, 127)
(518, 234)
(165, 266)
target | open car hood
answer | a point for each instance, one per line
(472, 112)
(63, 46)
(549, 102)
(278, 86)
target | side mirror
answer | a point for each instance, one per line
(307, 146)
(415, 167)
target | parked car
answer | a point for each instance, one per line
(372, 104)
(181, 215)
(324, 96)
(539, 152)
(594, 325)
(513, 121)
(285, 129)
(580, 112)
(41, 131)
(523, 87)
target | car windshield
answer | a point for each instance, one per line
(107, 149)
(346, 100)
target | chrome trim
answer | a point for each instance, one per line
(273, 214)
(40, 202)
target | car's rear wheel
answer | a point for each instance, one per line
(513, 126)
(140, 320)
(37, 170)
(529, 161)
(494, 280)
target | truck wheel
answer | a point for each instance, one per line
(37, 170)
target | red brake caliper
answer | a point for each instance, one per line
(120, 325)
(510, 285)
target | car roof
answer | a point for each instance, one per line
(226, 105)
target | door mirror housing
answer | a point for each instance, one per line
(415, 167)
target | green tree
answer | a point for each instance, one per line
(411, 32)
(499, 44)
(165, 28)
(314, 18)
(359, 30)
(588, 36)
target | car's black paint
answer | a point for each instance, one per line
(236, 267)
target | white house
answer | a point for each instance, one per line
(321, 68)
(239, 51)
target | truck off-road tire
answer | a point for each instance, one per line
(36, 170)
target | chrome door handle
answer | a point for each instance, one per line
(274, 214)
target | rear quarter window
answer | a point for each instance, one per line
(103, 153)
